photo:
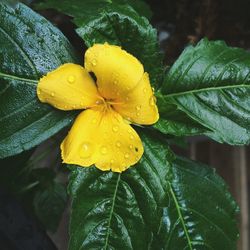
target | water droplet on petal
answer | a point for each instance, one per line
(94, 121)
(71, 79)
(94, 62)
(118, 144)
(115, 82)
(104, 150)
(131, 147)
(85, 151)
(38, 91)
(115, 128)
(138, 107)
(65, 106)
(137, 113)
(131, 137)
(144, 90)
(126, 155)
(152, 101)
(52, 94)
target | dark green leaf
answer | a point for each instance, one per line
(49, 204)
(210, 84)
(30, 47)
(200, 212)
(102, 21)
(161, 203)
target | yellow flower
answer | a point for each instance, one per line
(122, 94)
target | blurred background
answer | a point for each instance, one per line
(179, 22)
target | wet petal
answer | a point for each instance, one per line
(104, 139)
(117, 71)
(68, 87)
(138, 105)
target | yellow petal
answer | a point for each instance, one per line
(104, 139)
(68, 87)
(117, 71)
(138, 105)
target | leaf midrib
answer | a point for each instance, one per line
(178, 208)
(111, 211)
(158, 94)
(12, 77)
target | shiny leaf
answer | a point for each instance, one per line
(209, 83)
(30, 47)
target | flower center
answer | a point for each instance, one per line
(105, 104)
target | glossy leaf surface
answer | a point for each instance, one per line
(161, 203)
(30, 47)
(210, 84)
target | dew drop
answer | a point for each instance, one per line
(137, 113)
(126, 155)
(115, 128)
(71, 79)
(81, 103)
(131, 147)
(115, 82)
(94, 62)
(152, 101)
(131, 137)
(144, 90)
(104, 150)
(94, 121)
(52, 94)
(86, 150)
(65, 106)
(118, 144)
(98, 102)
(39, 92)
(138, 107)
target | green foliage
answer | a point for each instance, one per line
(36, 188)
(30, 47)
(164, 202)
(49, 204)
(161, 203)
(210, 84)
(115, 23)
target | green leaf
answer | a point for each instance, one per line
(161, 203)
(209, 83)
(49, 204)
(102, 21)
(200, 213)
(30, 47)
